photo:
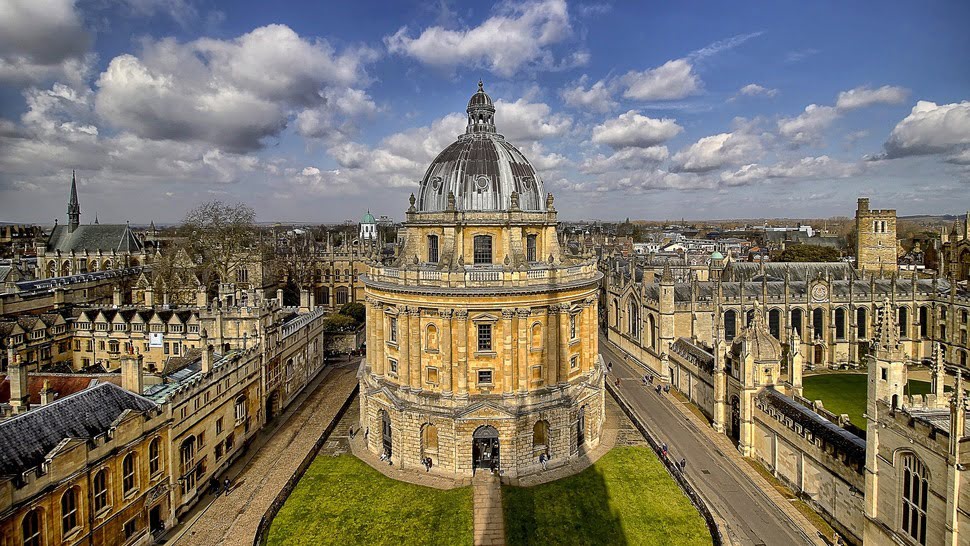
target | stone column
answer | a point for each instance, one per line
(508, 382)
(563, 342)
(404, 347)
(461, 317)
(414, 350)
(445, 347)
(590, 345)
(375, 346)
(550, 352)
(523, 349)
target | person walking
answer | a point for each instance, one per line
(227, 485)
(683, 464)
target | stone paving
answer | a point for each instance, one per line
(487, 502)
(232, 520)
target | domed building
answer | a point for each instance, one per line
(481, 336)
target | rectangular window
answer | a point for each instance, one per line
(574, 363)
(90, 345)
(572, 326)
(483, 249)
(175, 348)
(484, 377)
(77, 344)
(433, 376)
(885, 374)
(530, 248)
(536, 373)
(484, 337)
(219, 425)
(131, 527)
(166, 347)
(392, 329)
(433, 249)
(392, 365)
(218, 451)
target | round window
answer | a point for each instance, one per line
(435, 182)
(481, 181)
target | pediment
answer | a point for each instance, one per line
(485, 410)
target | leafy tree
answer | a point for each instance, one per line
(809, 253)
(355, 310)
(338, 322)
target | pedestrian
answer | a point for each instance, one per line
(227, 485)
(430, 464)
(366, 434)
(214, 485)
(663, 449)
(609, 367)
(617, 382)
(658, 389)
(666, 388)
(683, 464)
(544, 461)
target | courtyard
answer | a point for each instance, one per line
(846, 393)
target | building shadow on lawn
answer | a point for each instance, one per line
(571, 511)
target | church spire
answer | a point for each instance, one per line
(73, 208)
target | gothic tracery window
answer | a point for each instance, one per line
(915, 489)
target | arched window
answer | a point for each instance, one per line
(915, 489)
(483, 249)
(154, 456)
(433, 249)
(100, 490)
(429, 442)
(128, 473)
(106, 265)
(652, 324)
(431, 338)
(861, 324)
(924, 322)
(774, 323)
(840, 323)
(69, 510)
(730, 325)
(52, 268)
(343, 295)
(31, 528)
(530, 248)
(572, 326)
(616, 313)
(903, 318)
(818, 322)
(540, 438)
(748, 318)
(537, 336)
(187, 454)
(796, 320)
(633, 319)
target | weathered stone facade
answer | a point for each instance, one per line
(876, 238)
(482, 336)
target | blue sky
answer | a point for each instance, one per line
(316, 112)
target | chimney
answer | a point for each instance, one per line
(46, 393)
(279, 297)
(132, 378)
(19, 393)
(304, 300)
(207, 352)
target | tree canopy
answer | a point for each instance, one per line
(221, 237)
(809, 253)
(355, 310)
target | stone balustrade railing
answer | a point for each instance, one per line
(484, 277)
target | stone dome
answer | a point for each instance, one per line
(368, 219)
(481, 168)
(757, 340)
(717, 255)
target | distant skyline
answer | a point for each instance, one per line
(317, 112)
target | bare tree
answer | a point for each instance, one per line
(296, 259)
(221, 239)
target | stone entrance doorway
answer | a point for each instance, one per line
(386, 433)
(581, 428)
(736, 419)
(485, 448)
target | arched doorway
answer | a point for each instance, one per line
(386, 433)
(581, 428)
(485, 448)
(819, 354)
(735, 419)
(272, 405)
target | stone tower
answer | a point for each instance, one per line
(875, 238)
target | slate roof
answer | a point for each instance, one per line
(62, 384)
(25, 440)
(852, 445)
(797, 271)
(696, 353)
(92, 238)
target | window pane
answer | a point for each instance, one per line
(483, 249)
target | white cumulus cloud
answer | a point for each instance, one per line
(754, 90)
(808, 127)
(595, 98)
(932, 128)
(516, 36)
(715, 151)
(673, 80)
(821, 167)
(861, 97)
(626, 159)
(523, 121)
(632, 129)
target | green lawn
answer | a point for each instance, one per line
(341, 500)
(846, 393)
(625, 498)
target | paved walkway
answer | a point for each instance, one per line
(750, 510)
(232, 520)
(487, 502)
